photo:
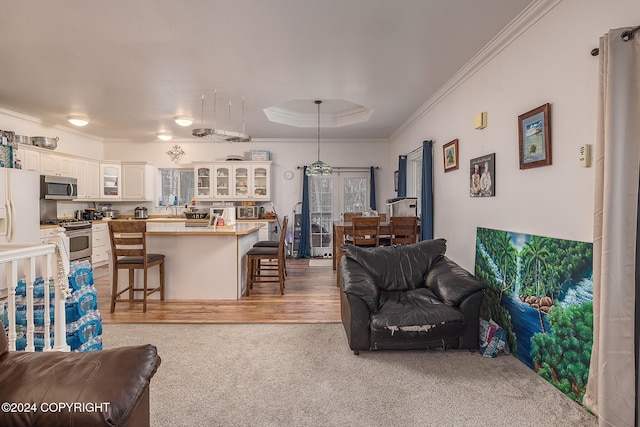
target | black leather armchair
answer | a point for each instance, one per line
(408, 297)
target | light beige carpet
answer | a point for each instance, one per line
(305, 375)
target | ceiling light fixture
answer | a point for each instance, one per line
(220, 135)
(164, 136)
(183, 120)
(318, 167)
(78, 120)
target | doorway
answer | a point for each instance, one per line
(329, 198)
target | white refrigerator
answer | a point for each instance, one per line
(19, 206)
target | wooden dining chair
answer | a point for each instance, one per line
(275, 259)
(366, 230)
(129, 252)
(403, 229)
(348, 217)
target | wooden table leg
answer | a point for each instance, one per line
(337, 254)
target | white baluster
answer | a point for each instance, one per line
(30, 273)
(12, 283)
(45, 268)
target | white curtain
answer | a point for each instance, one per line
(611, 389)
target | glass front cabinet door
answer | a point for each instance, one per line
(110, 180)
(222, 181)
(202, 175)
(261, 184)
(241, 181)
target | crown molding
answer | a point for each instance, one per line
(34, 120)
(518, 26)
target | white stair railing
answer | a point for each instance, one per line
(51, 261)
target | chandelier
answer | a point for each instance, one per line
(220, 135)
(319, 167)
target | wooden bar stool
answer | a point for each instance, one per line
(256, 267)
(275, 243)
(129, 251)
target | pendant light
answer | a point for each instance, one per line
(319, 167)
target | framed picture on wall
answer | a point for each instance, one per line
(534, 128)
(395, 181)
(450, 155)
(483, 176)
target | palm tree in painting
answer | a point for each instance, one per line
(507, 252)
(537, 253)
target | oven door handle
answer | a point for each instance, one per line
(69, 189)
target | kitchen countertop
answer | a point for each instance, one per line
(239, 229)
(163, 219)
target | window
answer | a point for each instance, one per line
(355, 193)
(176, 187)
(414, 176)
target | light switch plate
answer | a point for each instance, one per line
(480, 120)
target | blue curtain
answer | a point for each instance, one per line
(304, 247)
(372, 197)
(402, 176)
(426, 196)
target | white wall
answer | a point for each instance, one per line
(550, 62)
(71, 141)
(284, 155)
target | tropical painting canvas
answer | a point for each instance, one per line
(541, 292)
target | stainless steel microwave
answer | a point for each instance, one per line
(247, 212)
(58, 187)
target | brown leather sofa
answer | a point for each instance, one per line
(408, 297)
(98, 388)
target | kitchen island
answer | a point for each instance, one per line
(200, 262)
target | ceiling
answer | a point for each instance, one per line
(131, 66)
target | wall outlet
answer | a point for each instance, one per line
(584, 155)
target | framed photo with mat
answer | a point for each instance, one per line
(534, 128)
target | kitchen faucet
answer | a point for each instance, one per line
(175, 212)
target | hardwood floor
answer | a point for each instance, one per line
(311, 296)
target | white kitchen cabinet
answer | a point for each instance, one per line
(223, 181)
(46, 233)
(100, 245)
(110, 181)
(137, 181)
(233, 181)
(204, 185)
(87, 172)
(241, 181)
(261, 181)
(30, 159)
(54, 164)
(265, 233)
